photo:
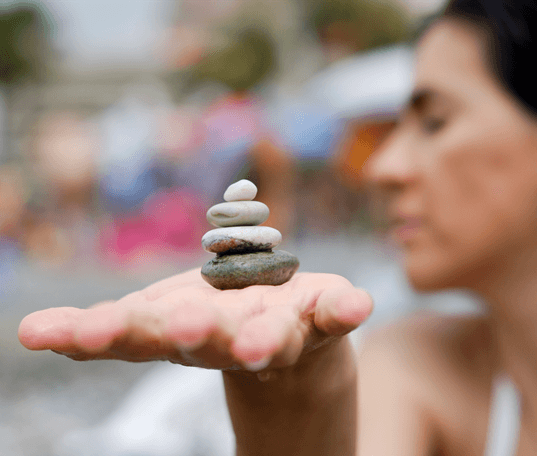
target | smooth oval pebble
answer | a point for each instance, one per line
(243, 190)
(240, 239)
(241, 271)
(238, 213)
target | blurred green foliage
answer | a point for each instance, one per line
(244, 62)
(23, 44)
(366, 24)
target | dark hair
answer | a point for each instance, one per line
(511, 26)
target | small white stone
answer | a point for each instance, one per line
(243, 190)
(223, 239)
(238, 213)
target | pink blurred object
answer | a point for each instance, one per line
(236, 117)
(168, 227)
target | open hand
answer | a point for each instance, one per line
(184, 320)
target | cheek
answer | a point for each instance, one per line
(476, 194)
(459, 193)
(480, 174)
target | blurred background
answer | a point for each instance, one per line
(121, 123)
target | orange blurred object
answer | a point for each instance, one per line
(359, 142)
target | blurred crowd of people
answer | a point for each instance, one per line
(129, 185)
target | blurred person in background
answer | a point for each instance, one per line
(459, 174)
(13, 196)
(311, 132)
(62, 228)
(238, 139)
(13, 208)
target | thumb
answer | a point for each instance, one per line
(341, 310)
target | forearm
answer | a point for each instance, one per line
(309, 409)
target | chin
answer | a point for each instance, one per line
(421, 282)
(427, 275)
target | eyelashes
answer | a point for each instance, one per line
(433, 124)
(429, 124)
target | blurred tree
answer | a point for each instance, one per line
(24, 46)
(237, 50)
(357, 25)
(15, 63)
(246, 61)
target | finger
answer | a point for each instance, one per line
(274, 338)
(131, 320)
(98, 328)
(142, 339)
(190, 325)
(202, 334)
(331, 301)
(130, 334)
(50, 329)
(341, 310)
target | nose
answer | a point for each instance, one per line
(391, 166)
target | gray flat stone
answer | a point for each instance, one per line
(243, 190)
(259, 268)
(238, 213)
(240, 239)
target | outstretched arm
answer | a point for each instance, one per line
(289, 370)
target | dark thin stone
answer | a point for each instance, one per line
(247, 247)
(229, 245)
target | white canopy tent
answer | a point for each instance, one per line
(376, 83)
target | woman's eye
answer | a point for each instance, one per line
(433, 124)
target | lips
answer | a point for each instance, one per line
(406, 228)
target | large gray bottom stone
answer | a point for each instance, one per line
(227, 272)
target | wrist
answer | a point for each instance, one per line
(302, 410)
(323, 371)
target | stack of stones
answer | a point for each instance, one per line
(243, 249)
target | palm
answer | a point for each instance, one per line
(184, 320)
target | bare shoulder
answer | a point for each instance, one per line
(420, 376)
(429, 340)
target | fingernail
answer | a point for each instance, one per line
(256, 366)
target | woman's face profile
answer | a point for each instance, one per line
(460, 169)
